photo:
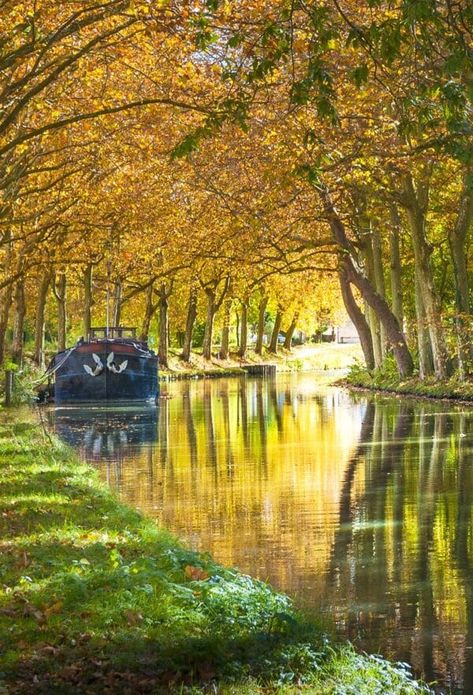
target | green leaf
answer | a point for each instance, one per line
(360, 75)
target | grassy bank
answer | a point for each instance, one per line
(94, 598)
(386, 380)
(310, 357)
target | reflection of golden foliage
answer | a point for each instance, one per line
(248, 473)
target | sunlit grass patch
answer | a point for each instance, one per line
(96, 598)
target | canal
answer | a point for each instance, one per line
(360, 507)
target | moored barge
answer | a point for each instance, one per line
(111, 365)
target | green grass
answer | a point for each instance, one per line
(308, 357)
(95, 598)
(386, 379)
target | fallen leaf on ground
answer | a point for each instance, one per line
(195, 573)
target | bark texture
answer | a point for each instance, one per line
(395, 265)
(415, 199)
(355, 276)
(60, 292)
(243, 329)
(358, 318)
(19, 323)
(225, 342)
(87, 315)
(190, 322)
(273, 344)
(290, 332)
(261, 324)
(457, 238)
(38, 356)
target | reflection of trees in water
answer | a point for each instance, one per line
(402, 546)
(256, 472)
(229, 457)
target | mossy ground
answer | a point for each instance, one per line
(95, 598)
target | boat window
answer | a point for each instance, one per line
(102, 332)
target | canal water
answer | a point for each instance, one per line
(359, 507)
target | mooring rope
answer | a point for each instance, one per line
(51, 371)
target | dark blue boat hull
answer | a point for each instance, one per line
(106, 371)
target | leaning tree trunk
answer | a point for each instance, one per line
(243, 329)
(191, 317)
(19, 323)
(273, 344)
(359, 320)
(457, 240)
(61, 298)
(290, 332)
(354, 275)
(87, 312)
(225, 342)
(209, 324)
(416, 203)
(163, 327)
(38, 356)
(261, 324)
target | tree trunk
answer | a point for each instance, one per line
(371, 316)
(243, 329)
(396, 284)
(237, 328)
(273, 345)
(150, 308)
(19, 323)
(213, 305)
(290, 332)
(191, 317)
(378, 278)
(426, 362)
(375, 331)
(261, 324)
(61, 298)
(38, 356)
(5, 305)
(359, 320)
(209, 324)
(415, 202)
(117, 304)
(163, 327)
(86, 324)
(354, 274)
(6, 296)
(225, 343)
(457, 238)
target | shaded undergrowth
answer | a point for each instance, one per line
(95, 598)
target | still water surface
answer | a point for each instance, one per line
(359, 507)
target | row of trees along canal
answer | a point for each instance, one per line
(256, 154)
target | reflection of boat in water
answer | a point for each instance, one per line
(112, 365)
(105, 431)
